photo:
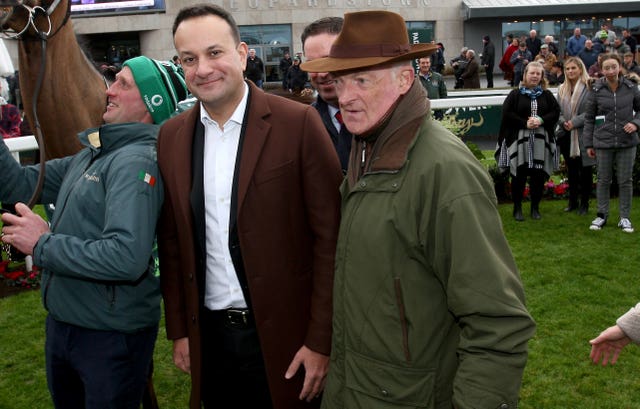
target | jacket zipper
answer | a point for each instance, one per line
(363, 157)
(615, 117)
(111, 295)
(51, 227)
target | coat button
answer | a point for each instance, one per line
(394, 185)
(504, 406)
(363, 184)
(384, 392)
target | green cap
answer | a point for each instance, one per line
(161, 85)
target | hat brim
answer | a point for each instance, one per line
(332, 64)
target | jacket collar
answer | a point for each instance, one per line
(109, 137)
(394, 138)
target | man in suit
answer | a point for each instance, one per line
(317, 38)
(248, 232)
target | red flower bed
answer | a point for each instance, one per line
(15, 275)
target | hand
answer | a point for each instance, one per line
(181, 357)
(316, 366)
(591, 152)
(607, 345)
(630, 127)
(23, 230)
(533, 122)
(568, 125)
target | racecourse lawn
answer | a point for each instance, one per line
(577, 283)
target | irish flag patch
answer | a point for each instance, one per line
(146, 178)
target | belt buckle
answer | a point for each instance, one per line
(238, 318)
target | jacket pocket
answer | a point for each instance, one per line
(273, 173)
(375, 382)
(403, 319)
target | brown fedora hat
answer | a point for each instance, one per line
(369, 38)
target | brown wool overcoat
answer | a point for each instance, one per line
(287, 219)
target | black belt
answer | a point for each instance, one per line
(232, 317)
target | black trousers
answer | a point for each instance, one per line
(233, 372)
(580, 177)
(537, 177)
(489, 72)
(91, 369)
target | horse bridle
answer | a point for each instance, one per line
(35, 12)
(43, 36)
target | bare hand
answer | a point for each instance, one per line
(316, 366)
(533, 122)
(181, 354)
(607, 345)
(23, 230)
(630, 127)
(568, 125)
(591, 152)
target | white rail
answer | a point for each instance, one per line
(482, 98)
(21, 144)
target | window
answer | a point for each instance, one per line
(270, 43)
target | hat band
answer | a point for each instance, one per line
(368, 50)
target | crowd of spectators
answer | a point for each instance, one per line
(586, 47)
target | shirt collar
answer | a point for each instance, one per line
(238, 113)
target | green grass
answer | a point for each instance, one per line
(23, 383)
(577, 283)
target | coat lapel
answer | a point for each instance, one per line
(182, 153)
(255, 136)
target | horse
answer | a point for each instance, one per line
(72, 94)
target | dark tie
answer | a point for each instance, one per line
(338, 116)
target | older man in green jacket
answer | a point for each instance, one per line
(429, 308)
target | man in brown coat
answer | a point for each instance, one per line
(471, 74)
(248, 230)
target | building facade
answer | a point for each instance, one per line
(111, 35)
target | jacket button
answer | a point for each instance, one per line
(363, 184)
(384, 392)
(394, 185)
(504, 406)
(193, 319)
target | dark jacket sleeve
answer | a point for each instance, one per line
(551, 113)
(512, 121)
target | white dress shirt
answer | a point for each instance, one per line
(220, 151)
